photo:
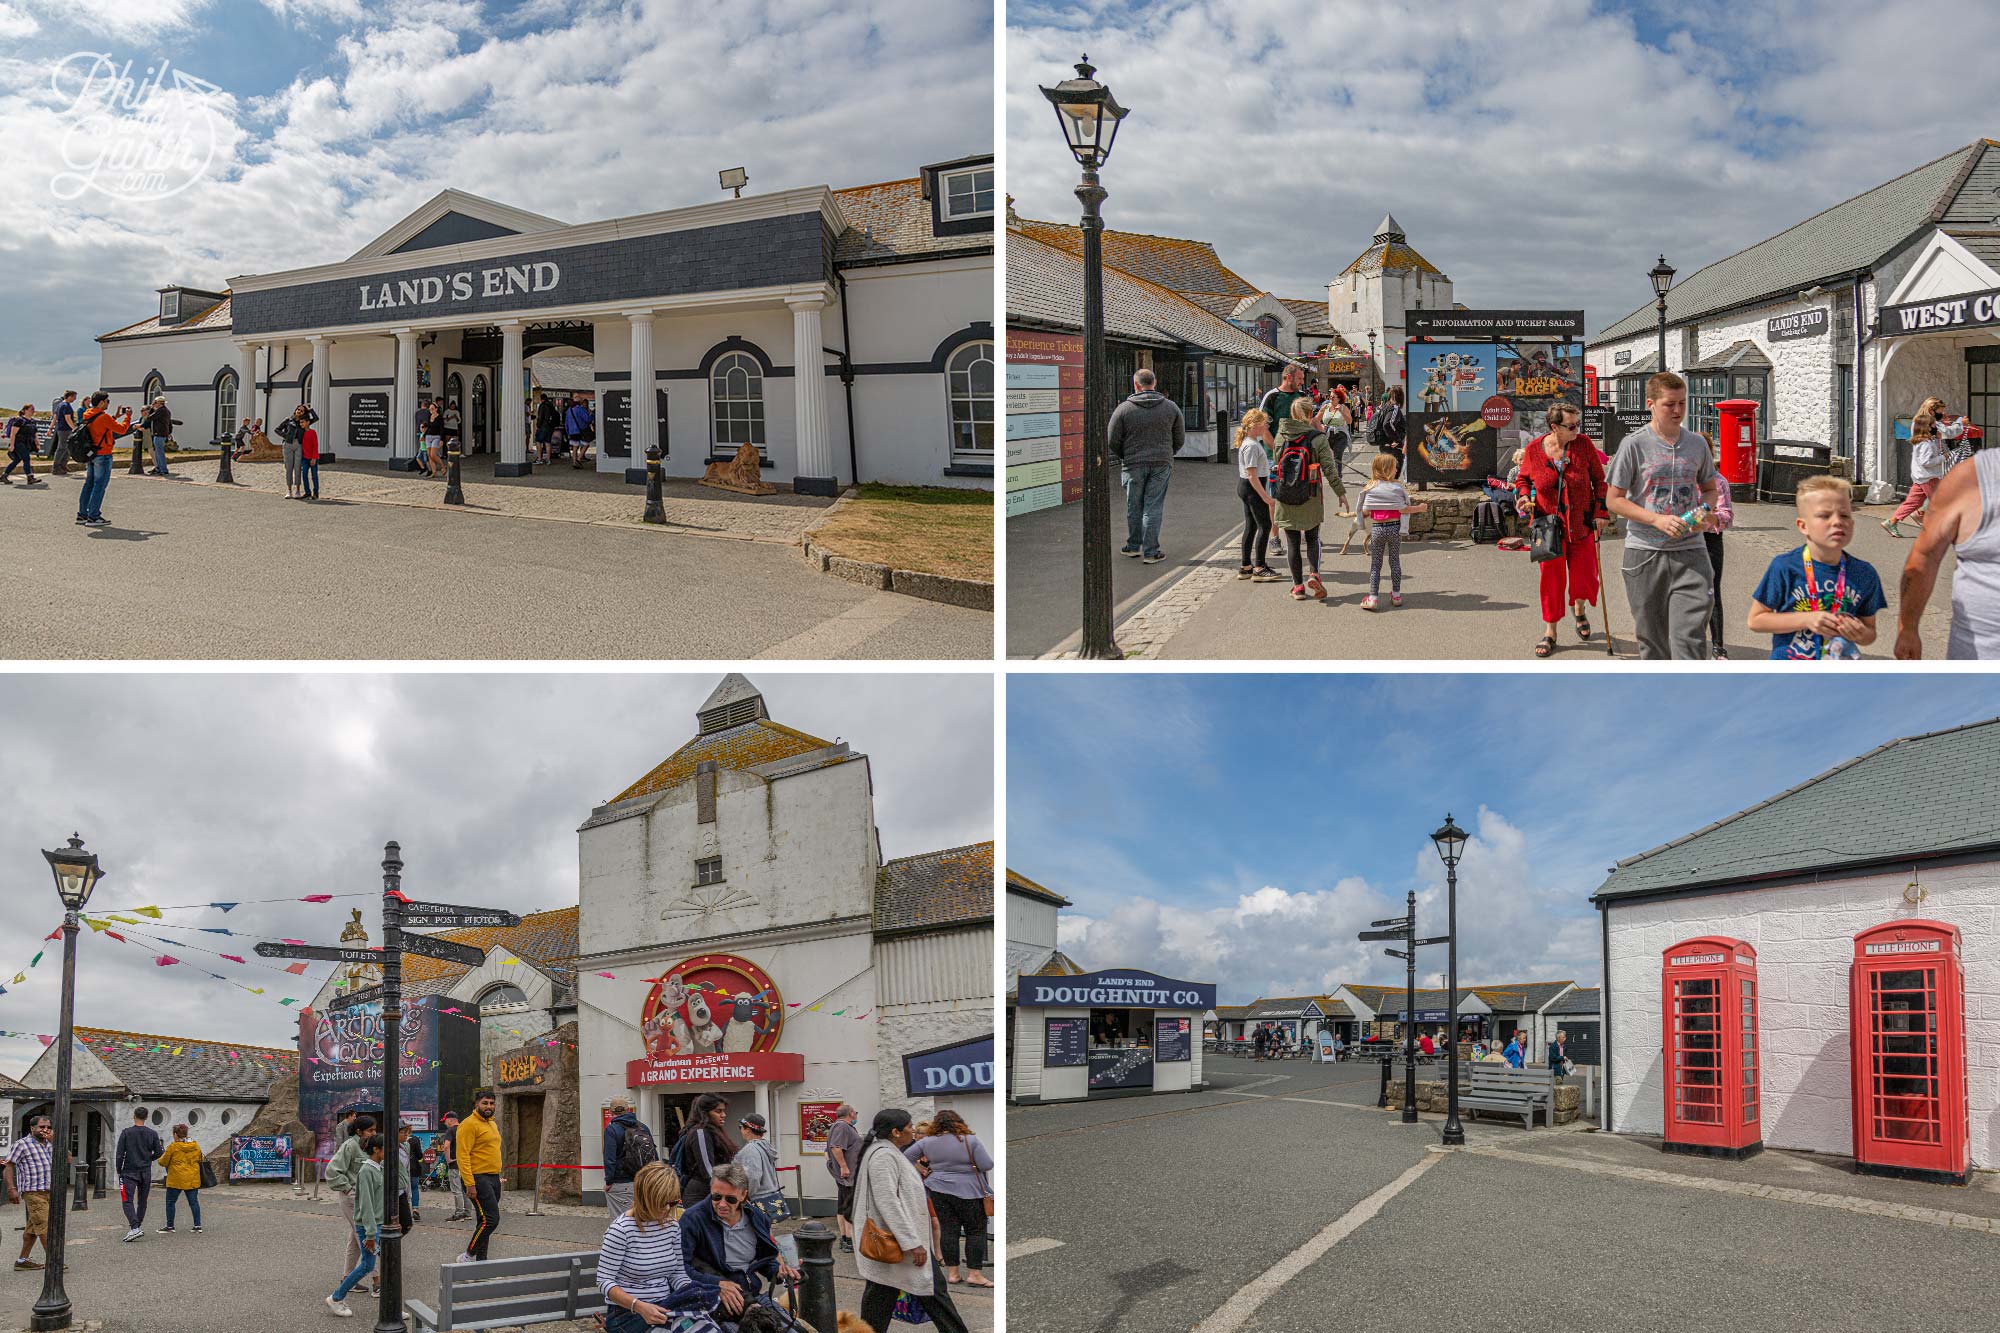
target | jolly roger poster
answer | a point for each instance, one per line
(710, 1004)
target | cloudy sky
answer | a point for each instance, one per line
(335, 118)
(198, 789)
(1241, 829)
(1542, 155)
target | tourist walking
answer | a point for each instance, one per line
(19, 433)
(1720, 522)
(1663, 483)
(1382, 507)
(759, 1161)
(1819, 601)
(1253, 471)
(641, 1269)
(343, 1170)
(728, 1246)
(703, 1145)
(1562, 479)
(1259, 1039)
(100, 428)
(892, 1213)
(579, 428)
(548, 419)
(309, 463)
(1145, 433)
(182, 1160)
(843, 1149)
(960, 1194)
(430, 427)
(139, 1147)
(1303, 464)
(628, 1147)
(410, 1164)
(367, 1213)
(30, 1165)
(160, 425)
(66, 422)
(1388, 429)
(1514, 1055)
(1336, 419)
(1927, 465)
(291, 442)
(446, 1145)
(1558, 1057)
(1277, 403)
(478, 1153)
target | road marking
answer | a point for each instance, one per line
(838, 634)
(1237, 1310)
(1238, 1090)
(1021, 1249)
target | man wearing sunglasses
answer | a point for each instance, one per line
(727, 1244)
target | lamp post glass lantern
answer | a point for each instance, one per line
(1450, 843)
(1089, 116)
(76, 874)
(1662, 275)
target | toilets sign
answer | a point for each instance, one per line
(486, 283)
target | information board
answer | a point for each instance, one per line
(1065, 1044)
(1121, 1067)
(1171, 1041)
(1044, 420)
(616, 422)
(260, 1157)
(368, 421)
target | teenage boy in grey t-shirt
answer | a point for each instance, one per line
(1660, 473)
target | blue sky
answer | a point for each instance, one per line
(1194, 839)
(1540, 155)
(336, 118)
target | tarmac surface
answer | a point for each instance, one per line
(1281, 1201)
(190, 570)
(265, 1261)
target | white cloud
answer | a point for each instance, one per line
(17, 22)
(121, 19)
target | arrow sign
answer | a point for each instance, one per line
(1435, 939)
(1395, 953)
(1383, 934)
(434, 916)
(432, 947)
(1400, 922)
(357, 997)
(319, 953)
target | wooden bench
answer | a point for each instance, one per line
(1511, 1091)
(500, 1293)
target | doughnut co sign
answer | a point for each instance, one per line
(1122, 989)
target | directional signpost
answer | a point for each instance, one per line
(1404, 928)
(450, 916)
(320, 953)
(447, 950)
(355, 997)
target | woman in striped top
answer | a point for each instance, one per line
(640, 1269)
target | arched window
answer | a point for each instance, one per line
(969, 382)
(478, 423)
(494, 997)
(736, 402)
(225, 404)
(155, 387)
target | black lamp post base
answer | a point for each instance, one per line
(42, 1319)
(1454, 1134)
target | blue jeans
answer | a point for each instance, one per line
(96, 478)
(194, 1203)
(416, 1193)
(1145, 506)
(361, 1270)
(159, 452)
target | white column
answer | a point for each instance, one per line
(246, 382)
(403, 427)
(815, 446)
(507, 402)
(645, 426)
(322, 394)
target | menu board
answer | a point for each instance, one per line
(368, 421)
(1171, 1043)
(1066, 1043)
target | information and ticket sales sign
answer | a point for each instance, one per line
(721, 1067)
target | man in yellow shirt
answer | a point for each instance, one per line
(478, 1153)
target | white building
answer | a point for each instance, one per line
(845, 333)
(1777, 321)
(1368, 302)
(1902, 833)
(759, 946)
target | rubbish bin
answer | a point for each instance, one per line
(1736, 440)
(1783, 464)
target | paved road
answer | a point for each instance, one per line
(264, 1261)
(190, 571)
(1292, 1206)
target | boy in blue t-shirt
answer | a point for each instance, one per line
(1818, 601)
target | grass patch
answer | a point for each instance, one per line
(931, 529)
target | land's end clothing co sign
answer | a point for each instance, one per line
(761, 252)
(1974, 310)
(1799, 324)
(1116, 990)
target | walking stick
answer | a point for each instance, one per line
(1603, 594)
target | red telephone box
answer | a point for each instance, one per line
(1906, 993)
(1590, 386)
(1708, 1008)
(1736, 438)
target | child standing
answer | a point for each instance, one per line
(1927, 468)
(309, 464)
(1818, 601)
(1253, 469)
(1304, 459)
(1383, 504)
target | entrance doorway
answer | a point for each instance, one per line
(527, 1138)
(469, 387)
(674, 1112)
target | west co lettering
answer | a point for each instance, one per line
(495, 283)
(1965, 310)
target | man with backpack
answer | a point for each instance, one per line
(1277, 404)
(579, 428)
(1145, 433)
(99, 429)
(628, 1146)
(1389, 427)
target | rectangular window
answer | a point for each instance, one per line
(170, 305)
(968, 194)
(708, 870)
(1982, 388)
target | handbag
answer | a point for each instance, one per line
(980, 1176)
(878, 1244)
(909, 1310)
(1545, 534)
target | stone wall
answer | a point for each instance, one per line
(561, 1126)
(1449, 517)
(1432, 1096)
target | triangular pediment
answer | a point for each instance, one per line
(1944, 267)
(453, 217)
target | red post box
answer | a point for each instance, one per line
(1907, 1016)
(1736, 438)
(1708, 1008)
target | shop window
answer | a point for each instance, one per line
(1982, 388)
(736, 402)
(969, 384)
(1707, 388)
(708, 870)
(968, 194)
(225, 404)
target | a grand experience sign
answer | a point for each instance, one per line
(1121, 989)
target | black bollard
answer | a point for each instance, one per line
(1221, 436)
(137, 439)
(223, 475)
(655, 503)
(453, 493)
(817, 1306)
(99, 1171)
(1383, 1099)
(82, 1200)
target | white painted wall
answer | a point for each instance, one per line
(1031, 921)
(1804, 937)
(898, 314)
(1032, 1080)
(188, 363)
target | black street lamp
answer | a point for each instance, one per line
(1089, 116)
(1662, 275)
(77, 873)
(1374, 385)
(389, 1315)
(1450, 843)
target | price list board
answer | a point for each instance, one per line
(1065, 1044)
(1044, 420)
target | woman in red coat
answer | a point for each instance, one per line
(1562, 473)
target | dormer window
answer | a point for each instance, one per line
(170, 305)
(968, 194)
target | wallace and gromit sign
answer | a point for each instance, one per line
(714, 1018)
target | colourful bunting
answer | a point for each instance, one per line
(177, 1050)
(292, 1001)
(216, 930)
(296, 969)
(152, 912)
(55, 934)
(294, 941)
(37, 958)
(19, 977)
(116, 936)
(95, 924)
(43, 1038)
(234, 959)
(164, 961)
(254, 990)
(607, 976)
(320, 898)
(222, 906)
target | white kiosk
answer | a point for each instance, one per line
(1112, 1033)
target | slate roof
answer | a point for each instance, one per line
(1028, 960)
(542, 938)
(1519, 997)
(1582, 1000)
(1925, 796)
(205, 321)
(1021, 884)
(1856, 233)
(1392, 257)
(1232, 1013)
(145, 1063)
(745, 746)
(1311, 316)
(1649, 364)
(1390, 998)
(892, 220)
(935, 890)
(1739, 354)
(1172, 262)
(1984, 245)
(1045, 286)
(9, 1086)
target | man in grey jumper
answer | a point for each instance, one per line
(1146, 432)
(1661, 475)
